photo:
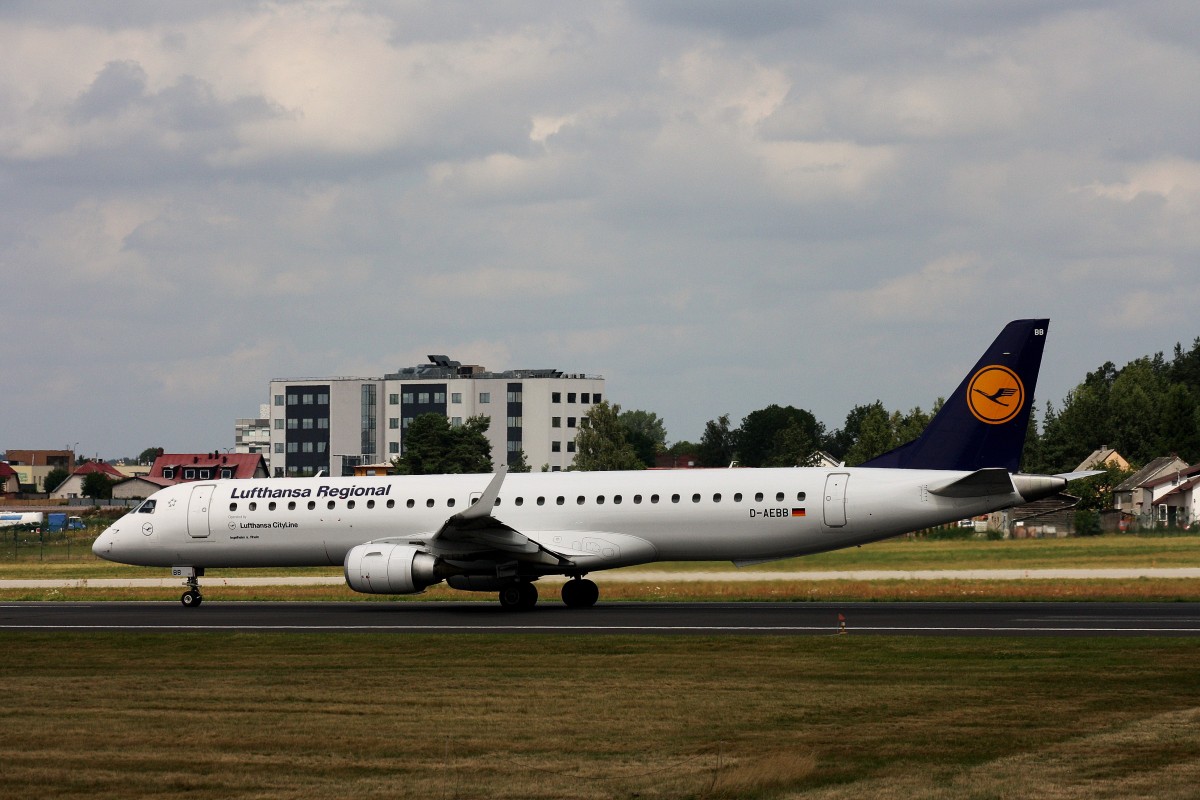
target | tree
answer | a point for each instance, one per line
(759, 438)
(149, 454)
(55, 478)
(97, 486)
(433, 447)
(646, 433)
(519, 464)
(716, 447)
(875, 436)
(602, 445)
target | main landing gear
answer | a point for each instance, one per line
(579, 592)
(519, 596)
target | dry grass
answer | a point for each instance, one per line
(371, 716)
(1131, 590)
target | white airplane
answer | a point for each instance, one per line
(9, 520)
(501, 533)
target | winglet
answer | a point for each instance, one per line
(487, 501)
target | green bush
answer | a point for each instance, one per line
(1087, 523)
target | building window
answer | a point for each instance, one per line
(584, 398)
(570, 422)
(278, 399)
(169, 473)
(308, 424)
(405, 422)
(321, 447)
(556, 447)
(293, 399)
(514, 422)
(293, 423)
(596, 398)
(322, 399)
(189, 474)
(439, 397)
(307, 399)
(556, 397)
(293, 447)
(408, 397)
(514, 397)
(279, 447)
(456, 422)
(307, 447)
(456, 397)
(394, 447)
(423, 398)
(279, 423)
(514, 447)
(393, 399)
(570, 397)
(394, 423)
(571, 446)
(556, 422)
(485, 397)
(323, 423)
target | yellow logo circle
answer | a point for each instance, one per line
(995, 394)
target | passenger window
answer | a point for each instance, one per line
(617, 499)
(233, 506)
(674, 498)
(653, 498)
(717, 497)
(696, 498)
(429, 503)
(579, 500)
(541, 501)
(800, 496)
(758, 497)
(271, 506)
(349, 504)
(254, 506)
(779, 497)
(312, 504)
(560, 500)
(292, 505)
(600, 500)
(737, 497)
(520, 501)
(370, 504)
(450, 503)
(391, 503)
(637, 499)
(331, 505)
(410, 503)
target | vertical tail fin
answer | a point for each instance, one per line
(983, 423)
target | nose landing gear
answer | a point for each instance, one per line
(192, 597)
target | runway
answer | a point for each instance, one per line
(708, 619)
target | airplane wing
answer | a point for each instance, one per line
(980, 483)
(475, 533)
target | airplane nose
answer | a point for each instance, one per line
(102, 547)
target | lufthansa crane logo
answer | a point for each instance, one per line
(995, 395)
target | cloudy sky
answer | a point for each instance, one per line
(715, 205)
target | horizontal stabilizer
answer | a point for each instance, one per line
(980, 483)
(1074, 476)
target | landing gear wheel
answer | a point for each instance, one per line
(580, 593)
(519, 596)
(191, 598)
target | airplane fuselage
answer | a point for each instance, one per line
(597, 520)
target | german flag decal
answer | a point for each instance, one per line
(797, 512)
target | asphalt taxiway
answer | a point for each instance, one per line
(709, 619)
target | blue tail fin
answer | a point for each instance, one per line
(983, 423)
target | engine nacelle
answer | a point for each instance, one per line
(390, 569)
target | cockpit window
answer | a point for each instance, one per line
(147, 507)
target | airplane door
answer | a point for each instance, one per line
(835, 499)
(197, 518)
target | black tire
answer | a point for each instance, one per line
(529, 595)
(510, 597)
(580, 593)
(190, 599)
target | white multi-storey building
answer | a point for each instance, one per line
(335, 424)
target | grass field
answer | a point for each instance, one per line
(366, 716)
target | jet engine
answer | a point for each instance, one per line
(390, 569)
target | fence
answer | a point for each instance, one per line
(18, 544)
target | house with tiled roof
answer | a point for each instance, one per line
(72, 487)
(184, 467)
(1173, 497)
(10, 482)
(1130, 497)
